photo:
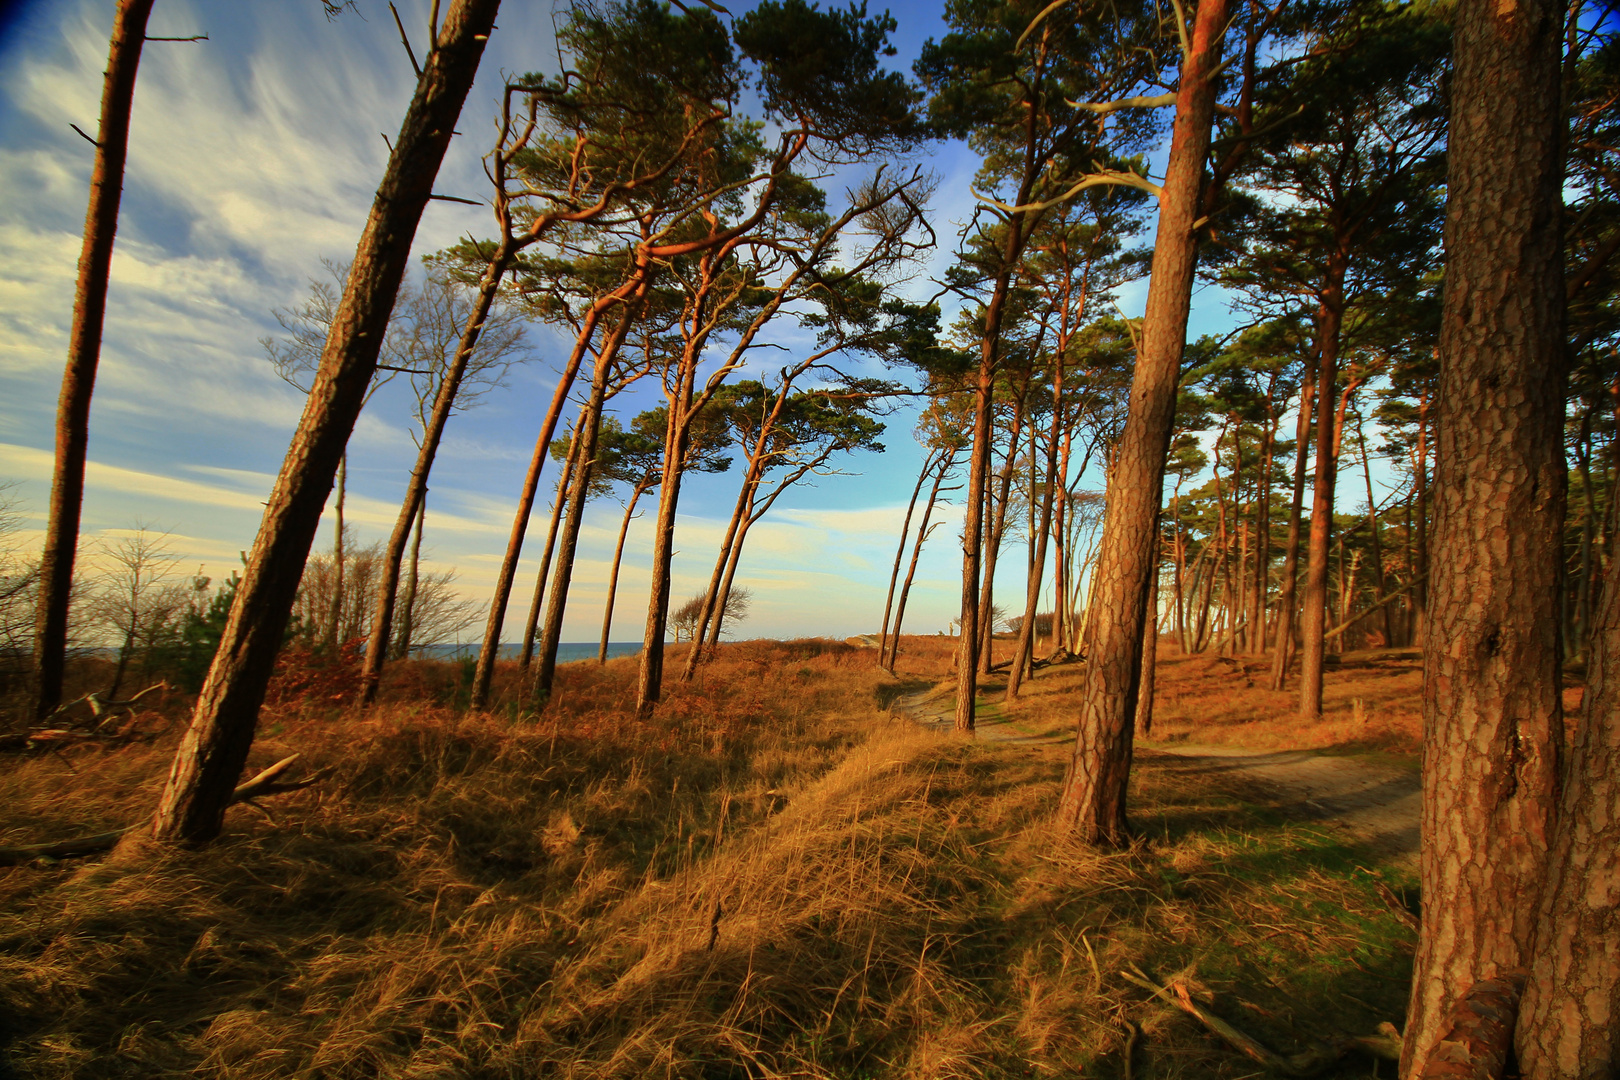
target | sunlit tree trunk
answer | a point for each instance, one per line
(1313, 615)
(565, 483)
(1492, 693)
(214, 749)
(945, 462)
(1093, 800)
(84, 354)
(900, 554)
(613, 573)
(407, 615)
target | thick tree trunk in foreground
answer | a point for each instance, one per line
(209, 760)
(1283, 651)
(84, 354)
(1093, 803)
(1492, 714)
(382, 617)
(1569, 1026)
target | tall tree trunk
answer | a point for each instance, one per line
(1150, 651)
(565, 484)
(485, 670)
(84, 354)
(1377, 547)
(900, 554)
(1093, 801)
(214, 749)
(1024, 651)
(650, 677)
(584, 463)
(613, 572)
(382, 616)
(1492, 693)
(1313, 617)
(1283, 652)
(1262, 557)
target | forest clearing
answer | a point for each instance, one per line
(778, 875)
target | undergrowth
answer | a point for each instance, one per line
(774, 876)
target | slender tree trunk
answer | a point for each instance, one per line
(997, 532)
(1377, 546)
(335, 616)
(485, 670)
(1420, 592)
(1150, 651)
(407, 615)
(416, 489)
(565, 483)
(584, 463)
(1283, 652)
(900, 554)
(1492, 694)
(84, 354)
(1262, 558)
(214, 749)
(1024, 651)
(945, 462)
(1093, 801)
(1313, 617)
(613, 574)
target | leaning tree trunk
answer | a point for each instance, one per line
(416, 490)
(1492, 708)
(650, 674)
(613, 573)
(584, 463)
(565, 484)
(485, 670)
(945, 462)
(1150, 651)
(84, 354)
(900, 553)
(210, 757)
(1093, 801)
(407, 614)
(1283, 651)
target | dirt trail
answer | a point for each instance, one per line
(1375, 805)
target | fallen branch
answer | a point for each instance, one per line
(1478, 1035)
(1386, 1044)
(264, 784)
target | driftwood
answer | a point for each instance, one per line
(1478, 1034)
(1386, 1044)
(266, 783)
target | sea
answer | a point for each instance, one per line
(567, 651)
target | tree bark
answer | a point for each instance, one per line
(214, 749)
(335, 615)
(1283, 652)
(1150, 651)
(1093, 801)
(1492, 698)
(84, 354)
(407, 620)
(1024, 651)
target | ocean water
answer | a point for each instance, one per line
(567, 651)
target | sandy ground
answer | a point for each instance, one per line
(1375, 805)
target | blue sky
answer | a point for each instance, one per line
(254, 155)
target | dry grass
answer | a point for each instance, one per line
(773, 877)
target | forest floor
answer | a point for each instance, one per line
(779, 874)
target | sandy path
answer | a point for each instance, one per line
(1375, 805)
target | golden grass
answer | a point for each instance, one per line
(773, 877)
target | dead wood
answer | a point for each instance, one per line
(264, 784)
(62, 730)
(1386, 1044)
